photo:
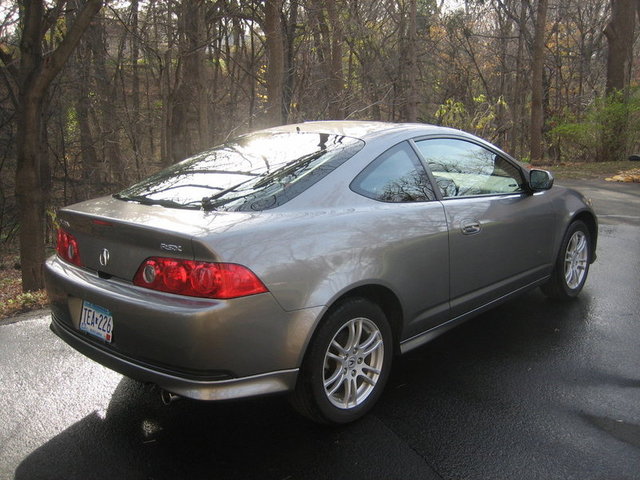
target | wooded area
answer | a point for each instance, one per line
(96, 95)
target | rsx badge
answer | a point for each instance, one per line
(170, 248)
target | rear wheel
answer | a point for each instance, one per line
(346, 365)
(572, 265)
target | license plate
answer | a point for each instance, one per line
(96, 321)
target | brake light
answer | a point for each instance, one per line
(67, 248)
(198, 279)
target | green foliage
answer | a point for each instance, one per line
(452, 114)
(480, 119)
(609, 130)
(23, 302)
(27, 299)
(577, 140)
(12, 299)
(525, 158)
(72, 125)
(52, 215)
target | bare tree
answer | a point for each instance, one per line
(537, 87)
(189, 120)
(620, 37)
(411, 108)
(329, 37)
(275, 54)
(33, 76)
(156, 80)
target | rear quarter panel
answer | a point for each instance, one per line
(310, 259)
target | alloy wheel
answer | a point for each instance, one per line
(576, 259)
(353, 363)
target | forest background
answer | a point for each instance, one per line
(95, 95)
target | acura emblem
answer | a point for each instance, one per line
(104, 257)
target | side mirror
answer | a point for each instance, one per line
(540, 180)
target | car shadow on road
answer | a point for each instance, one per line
(138, 437)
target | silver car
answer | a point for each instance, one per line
(302, 258)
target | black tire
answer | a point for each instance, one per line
(572, 264)
(324, 362)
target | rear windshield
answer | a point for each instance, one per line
(254, 172)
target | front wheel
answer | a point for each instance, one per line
(346, 365)
(572, 265)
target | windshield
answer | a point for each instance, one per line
(254, 172)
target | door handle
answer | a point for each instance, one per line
(471, 228)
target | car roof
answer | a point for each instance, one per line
(368, 130)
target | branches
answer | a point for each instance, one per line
(56, 60)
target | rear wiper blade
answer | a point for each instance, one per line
(149, 201)
(301, 164)
(209, 203)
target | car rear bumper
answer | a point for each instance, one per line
(198, 348)
(263, 384)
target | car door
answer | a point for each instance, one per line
(500, 234)
(414, 254)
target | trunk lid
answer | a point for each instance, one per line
(115, 236)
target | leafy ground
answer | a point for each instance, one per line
(626, 170)
(13, 301)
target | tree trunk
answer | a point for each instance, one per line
(537, 84)
(328, 36)
(275, 66)
(87, 147)
(36, 72)
(187, 118)
(620, 37)
(336, 82)
(614, 131)
(135, 125)
(111, 154)
(518, 104)
(30, 196)
(411, 108)
(82, 86)
(291, 29)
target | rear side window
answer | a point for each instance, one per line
(254, 172)
(396, 176)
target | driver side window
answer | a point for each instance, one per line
(463, 169)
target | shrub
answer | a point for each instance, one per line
(609, 130)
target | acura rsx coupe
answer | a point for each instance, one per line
(302, 258)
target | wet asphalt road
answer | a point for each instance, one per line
(531, 390)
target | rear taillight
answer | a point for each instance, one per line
(198, 279)
(67, 248)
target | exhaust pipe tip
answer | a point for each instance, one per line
(168, 397)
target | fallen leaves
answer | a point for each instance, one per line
(12, 300)
(627, 176)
